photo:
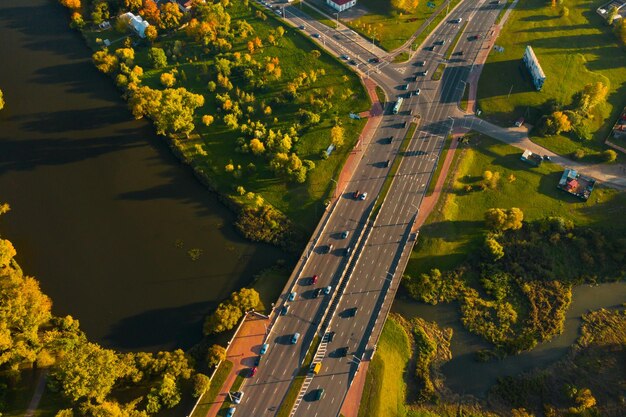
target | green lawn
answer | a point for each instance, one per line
(302, 203)
(438, 73)
(216, 384)
(385, 388)
(573, 51)
(442, 158)
(390, 29)
(455, 232)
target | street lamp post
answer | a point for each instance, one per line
(452, 125)
(337, 14)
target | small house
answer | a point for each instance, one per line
(136, 23)
(576, 184)
(341, 5)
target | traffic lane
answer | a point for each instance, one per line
(286, 328)
(367, 296)
(334, 369)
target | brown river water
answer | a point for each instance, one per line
(102, 213)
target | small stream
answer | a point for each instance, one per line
(465, 375)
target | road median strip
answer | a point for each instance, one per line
(394, 168)
(455, 41)
(298, 381)
(438, 72)
(440, 162)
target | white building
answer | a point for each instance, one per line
(136, 23)
(341, 5)
(532, 63)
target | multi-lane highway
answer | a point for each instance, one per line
(379, 245)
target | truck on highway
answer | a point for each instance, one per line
(397, 106)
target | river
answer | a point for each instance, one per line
(102, 213)
(465, 375)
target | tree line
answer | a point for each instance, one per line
(84, 373)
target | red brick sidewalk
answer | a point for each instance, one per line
(481, 58)
(241, 352)
(429, 202)
(351, 404)
(374, 116)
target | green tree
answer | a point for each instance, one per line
(591, 96)
(201, 384)
(133, 5)
(167, 79)
(558, 122)
(207, 120)
(224, 318)
(494, 249)
(100, 11)
(88, 372)
(215, 355)
(157, 57)
(495, 218)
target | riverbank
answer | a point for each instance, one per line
(103, 214)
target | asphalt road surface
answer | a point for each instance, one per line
(389, 239)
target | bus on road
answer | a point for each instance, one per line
(397, 106)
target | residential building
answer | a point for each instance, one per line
(341, 5)
(136, 23)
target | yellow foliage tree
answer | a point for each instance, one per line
(71, 4)
(168, 79)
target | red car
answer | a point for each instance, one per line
(252, 371)
(314, 279)
(356, 194)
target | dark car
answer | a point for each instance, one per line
(257, 361)
(351, 312)
(459, 53)
(317, 292)
(284, 310)
(440, 42)
(253, 371)
(420, 63)
(389, 139)
(330, 336)
(352, 62)
(319, 394)
(386, 163)
(373, 60)
(316, 35)
(342, 352)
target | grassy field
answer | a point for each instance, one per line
(573, 50)
(385, 388)
(301, 202)
(391, 29)
(455, 229)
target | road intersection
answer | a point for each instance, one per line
(380, 238)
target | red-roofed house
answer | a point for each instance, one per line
(341, 5)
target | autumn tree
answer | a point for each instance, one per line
(257, 147)
(1, 100)
(500, 219)
(591, 96)
(336, 136)
(246, 299)
(88, 372)
(133, 5)
(167, 79)
(405, 6)
(611, 15)
(125, 55)
(172, 110)
(207, 120)
(71, 4)
(609, 155)
(225, 317)
(7, 252)
(170, 15)
(104, 61)
(157, 57)
(215, 355)
(151, 33)
(151, 12)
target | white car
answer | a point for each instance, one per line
(363, 196)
